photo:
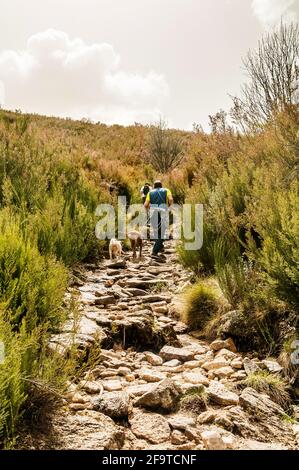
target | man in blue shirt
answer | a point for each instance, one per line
(158, 200)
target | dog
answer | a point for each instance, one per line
(115, 248)
(136, 242)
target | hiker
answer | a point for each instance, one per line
(158, 201)
(144, 191)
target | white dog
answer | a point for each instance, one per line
(115, 248)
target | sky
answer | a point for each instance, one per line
(126, 61)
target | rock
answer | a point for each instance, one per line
(215, 364)
(160, 310)
(221, 344)
(237, 363)
(207, 417)
(139, 390)
(182, 354)
(149, 426)
(178, 438)
(219, 394)
(114, 404)
(153, 359)
(250, 366)
(224, 372)
(124, 371)
(87, 430)
(181, 422)
(226, 354)
(272, 366)
(156, 298)
(105, 300)
(172, 363)
(91, 386)
(130, 377)
(78, 406)
(151, 376)
(137, 292)
(240, 375)
(117, 265)
(213, 441)
(258, 403)
(250, 444)
(165, 395)
(112, 385)
(192, 364)
(195, 377)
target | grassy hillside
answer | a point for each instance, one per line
(54, 173)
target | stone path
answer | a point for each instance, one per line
(157, 386)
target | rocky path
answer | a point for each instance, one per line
(158, 386)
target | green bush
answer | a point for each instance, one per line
(201, 302)
(31, 286)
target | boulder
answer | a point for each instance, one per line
(165, 395)
(219, 394)
(258, 403)
(86, 430)
(150, 375)
(213, 441)
(196, 377)
(149, 426)
(114, 404)
(182, 354)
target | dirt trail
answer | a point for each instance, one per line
(157, 387)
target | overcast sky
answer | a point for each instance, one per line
(121, 61)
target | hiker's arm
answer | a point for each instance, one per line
(169, 199)
(147, 201)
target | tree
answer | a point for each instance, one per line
(165, 148)
(273, 71)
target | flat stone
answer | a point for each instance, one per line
(117, 265)
(224, 372)
(182, 354)
(105, 300)
(215, 364)
(112, 385)
(153, 359)
(272, 366)
(172, 363)
(151, 376)
(181, 422)
(219, 394)
(250, 444)
(149, 426)
(138, 390)
(196, 378)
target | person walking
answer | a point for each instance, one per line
(158, 200)
(146, 188)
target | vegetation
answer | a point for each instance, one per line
(54, 173)
(272, 385)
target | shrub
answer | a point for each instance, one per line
(272, 385)
(31, 286)
(201, 302)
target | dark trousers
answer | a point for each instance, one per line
(159, 229)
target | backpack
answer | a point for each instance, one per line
(146, 190)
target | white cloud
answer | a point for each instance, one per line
(270, 12)
(60, 76)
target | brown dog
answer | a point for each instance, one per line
(136, 242)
